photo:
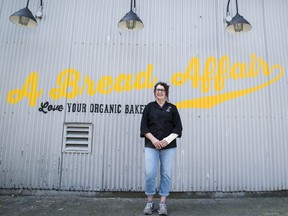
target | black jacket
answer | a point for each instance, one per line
(161, 122)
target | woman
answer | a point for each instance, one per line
(160, 125)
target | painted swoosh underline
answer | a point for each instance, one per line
(213, 100)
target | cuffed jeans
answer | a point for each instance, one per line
(152, 158)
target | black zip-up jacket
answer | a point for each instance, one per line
(161, 122)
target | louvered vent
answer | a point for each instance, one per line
(77, 137)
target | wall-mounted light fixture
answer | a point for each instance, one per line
(237, 23)
(25, 18)
(39, 13)
(131, 21)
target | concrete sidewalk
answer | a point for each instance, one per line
(81, 205)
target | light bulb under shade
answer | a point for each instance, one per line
(131, 22)
(39, 14)
(238, 24)
(23, 18)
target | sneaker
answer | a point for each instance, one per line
(149, 208)
(162, 210)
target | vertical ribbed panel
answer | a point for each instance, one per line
(237, 145)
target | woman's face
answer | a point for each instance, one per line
(160, 92)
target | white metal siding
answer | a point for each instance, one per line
(238, 145)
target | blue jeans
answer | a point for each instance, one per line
(152, 158)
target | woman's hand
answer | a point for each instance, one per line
(159, 144)
(156, 143)
(163, 143)
(154, 140)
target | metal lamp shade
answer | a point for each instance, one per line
(238, 24)
(131, 22)
(24, 17)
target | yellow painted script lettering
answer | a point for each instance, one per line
(237, 71)
(29, 90)
(192, 73)
(104, 84)
(68, 83)
(222, 73)
(217, 74)
(123, 82)
(213, 100)
(142, 79)
(208, 73)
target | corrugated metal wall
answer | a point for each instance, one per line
(237, 145)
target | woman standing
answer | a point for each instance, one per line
(160, 125)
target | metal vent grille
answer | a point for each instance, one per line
(77, 137)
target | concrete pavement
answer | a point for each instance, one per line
(74, 205)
